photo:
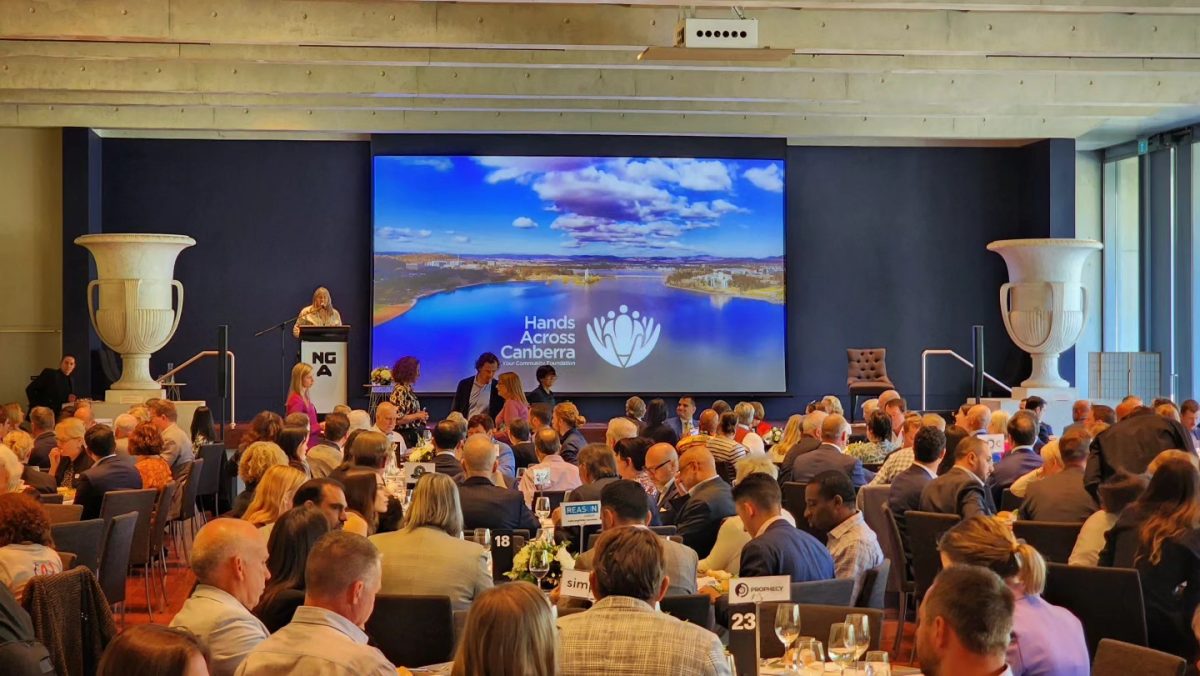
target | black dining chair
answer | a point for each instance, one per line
(924, 529)
(114, 561)
(1117, 658)
(1010, 502)
(84, 539)
(60, 513)
(873, 585)
(413, 631)
(1094, 595)
(694, 608)
(1053, 540)
(901, 574)
(838, 592)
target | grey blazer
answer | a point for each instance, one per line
(1060, 497)
(430, 562)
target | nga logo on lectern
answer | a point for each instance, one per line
(623, 339)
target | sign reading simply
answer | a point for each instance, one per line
(581, 513)
(577, 584)
(759, 589)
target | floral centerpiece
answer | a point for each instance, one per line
(421, 454)
(772, 437)
(381, 375)
(561, 559)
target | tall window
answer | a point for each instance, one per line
(1122, 256)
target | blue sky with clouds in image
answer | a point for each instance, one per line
(579, 206)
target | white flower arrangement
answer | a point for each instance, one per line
(421, 454)
(773, 436)
(381, 375)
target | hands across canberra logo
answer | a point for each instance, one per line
(623, 339)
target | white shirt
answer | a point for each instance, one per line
(481, 398)
(19, 563)
(223, 624)
(317, 642)
(763, 528)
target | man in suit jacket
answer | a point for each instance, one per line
(835, 434)
(597, 469)
(479, 393)
(683, 422)
(329, 453)
(484, 504)
(623, 505)
(1131, 444)
(53, 387)
(522, 443)
(447, 441)
(177, 444)
(777, 547)
(1021, 459)
(41, 422)
(929, 446)
(109, 472)
(1081, 410)
(811, 429)
(1062, 497)
(961, 491)
(709, 500)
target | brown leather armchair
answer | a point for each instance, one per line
(866, 375)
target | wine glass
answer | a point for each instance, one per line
(539, 564)
(877, 663)
(787, 624)
(862, 633)
(842, 648)
(541, 507)
(483, 536)
(809, 656)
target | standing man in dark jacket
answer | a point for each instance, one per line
(1131, 444)
(478, 393)
(53, 387)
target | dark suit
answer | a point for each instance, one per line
(957, 492)
(445, 462)
(1045, 431)
(670, 501)
(486, 505)
(51, 388)
(524, 454)
(676, 424)
(1016, 464)
(662, 434)
(110, 473)
(42, 481)
(572, 443)
(540, 396)
(42, 445)
(699, 519)
(1131, 444)
(828, 457)
(803, 446)
(1060, 497)
(905, 491)
(462, 398)
(784, 549)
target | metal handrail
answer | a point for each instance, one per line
(232, 378)
(951, 353)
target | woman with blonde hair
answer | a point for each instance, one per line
(516, 406)
(68, 458)
(998, 424)
(320, 313)
(258, 457)
(1046, 640)
(299, 402)
(833, 405)
(273, 497)
(428, 555)
(1052, 463)
(726, 553)
(509, 632)
(793, 432)
(21, 444)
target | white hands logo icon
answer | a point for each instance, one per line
(624, 339)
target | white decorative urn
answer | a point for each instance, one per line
(134, 315)
(1044, 304)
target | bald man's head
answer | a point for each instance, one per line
(1128, 405)
(231, 555)
(835, 429)
(660, 453)
(978, 417)
(887, 396)
(479, 454)
(708, 421)
(695, 465)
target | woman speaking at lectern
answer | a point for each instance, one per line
(320, 313)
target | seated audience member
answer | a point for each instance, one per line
(83, 413)
(109, 472)
(976, 420)
(777, 547)
(369, 450)
(67, 458)
(428, 556)
(897, 409)
(635, 412)
(623, 633)
(721, 407)
(154, 650)
(793, 432)
(1046, 639)
(1158, 535)
(961, 490)
(1132, 443)
(359, 420)
(619, 429)
(202, 430)
(1022, 459)
(726, 553)
(288, 547)
(25, 543)
(566, 421)
(879, 444)
(709, 500)
(257, 458)
(929, 446)
(954, 435)
(622, 507)
(264, 427)
(447, 440)
(1051, 464)
(552, 472)
(482, 424)
(631, 463)
(1120, 491)
(744, 432)
(386, 417)
(326, 495)
(123, 426)
(519, 434)
(365, 500)
(717, 433)
(229, 560)
(1062, 497)
(934, 420)
(657, 428)
(1081, 410)
(329, 452)
(293, 440)
(509, 632)
(10, 474)
(21, 444)
(900, 459)
(273, 497)
(683, 423)
(597, 468)
(964, 624)
(998, 424)
(543, 393)
(145, 447)
(484, 504)
(835, 434)
(1100, 414)
(1167, 409)
(41, 422)
(810, 439)
(540, 416)
(761, 426)
(662, 464)
(1171, 454)
(177, 443)
(829, 507)
(1187, 417)
(342, 577)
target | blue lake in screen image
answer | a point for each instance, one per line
(708, 343)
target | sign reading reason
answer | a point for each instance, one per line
(581, 513)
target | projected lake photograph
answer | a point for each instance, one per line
(625, 274)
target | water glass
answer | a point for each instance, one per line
(787, 624)
(862, 632)
(483, 536)
(841, 645)
(539, 564)
(541, 507)
(809, 656)
(877, 663)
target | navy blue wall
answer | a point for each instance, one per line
(886, 248)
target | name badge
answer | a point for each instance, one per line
(759, 589)
(576, 584)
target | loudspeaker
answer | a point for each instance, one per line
(223, 361)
